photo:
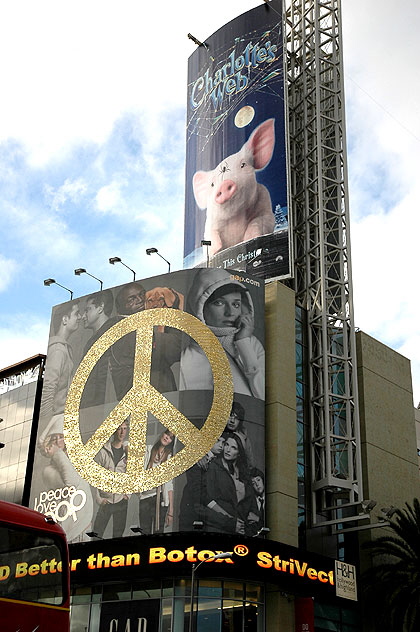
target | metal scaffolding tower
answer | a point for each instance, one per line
(322, 250)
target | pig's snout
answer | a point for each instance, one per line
(226, 190)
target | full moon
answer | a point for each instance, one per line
(244, 116)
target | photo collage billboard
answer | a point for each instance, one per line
(152, 412)
(236, 174)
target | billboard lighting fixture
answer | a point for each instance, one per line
(137, 530)
(198, 525)
(113, 260)
(49, 282)
(2, 445)
(263, 531)
(196, 41)
(93, 534)
(80, 271)
(154, 251)
(259, 256)
(388, 512)
(367, 506)
(207, 243)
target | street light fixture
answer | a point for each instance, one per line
(154, 251)
(220, 556)
(113, 260)
(263, 531)
(80, 271)
(49, 282)
(207, 243)
(367, 505)
(388, 512)
(93, 534)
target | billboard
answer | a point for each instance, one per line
(152, 413)
(236, 173)
(266, 561)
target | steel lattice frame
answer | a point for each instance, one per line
(318, 182)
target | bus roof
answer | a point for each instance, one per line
(23, 516)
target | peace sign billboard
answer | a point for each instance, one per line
(152, 412)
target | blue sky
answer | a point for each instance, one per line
(92, 154)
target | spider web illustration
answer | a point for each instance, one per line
(265, 79)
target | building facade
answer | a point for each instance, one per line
(332, 437)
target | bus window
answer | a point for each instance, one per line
(31, 566)
(34, 571)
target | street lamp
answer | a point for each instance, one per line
(113, 260)
(207, 243)
(194, 569)
(80, 271)
(154, 251)
(49, 282)
(93, 534)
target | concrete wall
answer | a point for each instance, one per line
(280, 435)
(388, 429)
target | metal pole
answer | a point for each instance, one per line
(190, 626)
(220, 556)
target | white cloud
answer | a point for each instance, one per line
(109, 198)
(383, 132)
(24, 337)
(44, 233)
(72, 190)
(8, 269)
(76, 67)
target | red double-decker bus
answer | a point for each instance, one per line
(34, 572)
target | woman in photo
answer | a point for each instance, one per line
(226, 307)
(156, 505)
(229, 491)
(236, 424)
(59, 475)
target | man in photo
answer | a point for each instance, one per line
(59, 368)
(194, 496)
(113, 456)
(97, 318)
(131, 299)
(256, 517)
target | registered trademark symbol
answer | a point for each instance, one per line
(241, 549)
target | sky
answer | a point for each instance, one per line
(92, 154)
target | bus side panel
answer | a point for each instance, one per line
(27, 617)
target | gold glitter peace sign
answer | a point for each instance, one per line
(143, 398)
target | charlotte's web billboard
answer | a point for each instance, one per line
(236, 185)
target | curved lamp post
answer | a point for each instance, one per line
(80, 271)
(194, 569)
(48, 282)
(113, 260)
(154, 251)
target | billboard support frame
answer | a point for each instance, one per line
(323, 281)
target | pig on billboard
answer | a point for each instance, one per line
(236, 212)
(152, 413)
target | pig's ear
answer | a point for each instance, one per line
(200, 181)
(261, 144)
